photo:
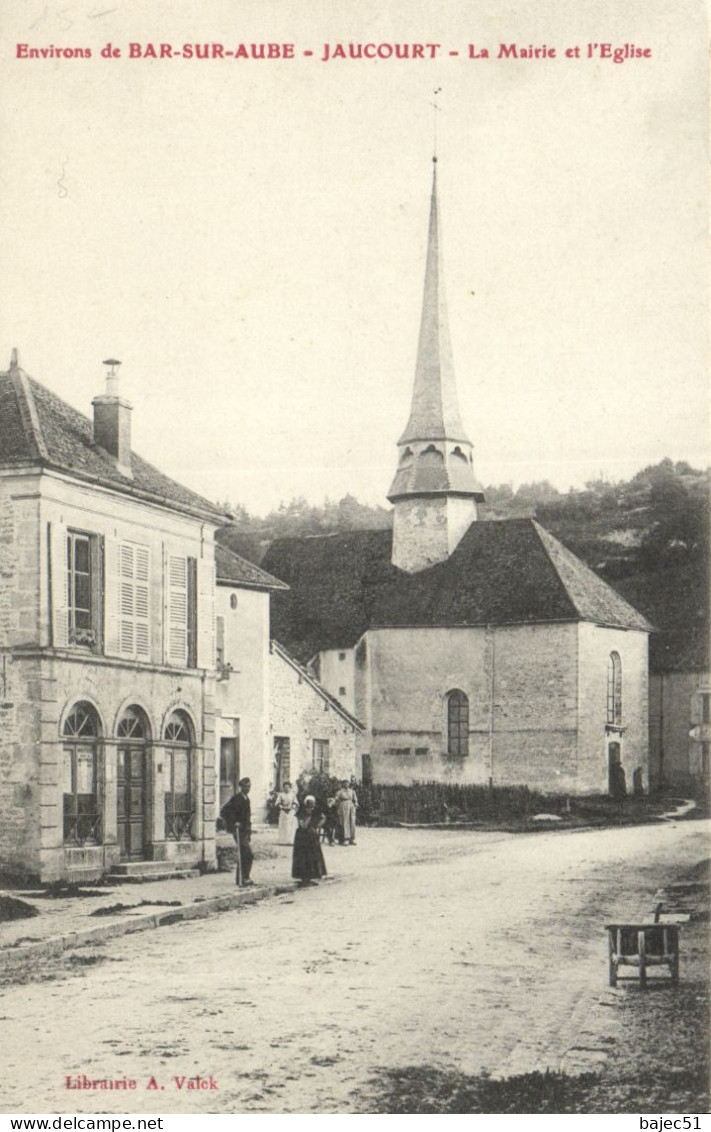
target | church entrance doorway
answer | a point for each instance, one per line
(615, 771)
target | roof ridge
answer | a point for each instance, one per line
(271, 579)
(315, 684)
(185, 499)
(544, 535)
(28, 410)
(540, 532)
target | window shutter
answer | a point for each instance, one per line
(176, 609)
(127, 600)
(143, 635)
(112, 567)
(220, 641)
(59, 603)
(127, 603)
(206, 613)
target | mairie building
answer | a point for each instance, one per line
(107, 675)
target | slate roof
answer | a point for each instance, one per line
(232, 570)
(37, 427)
(505, 572)
(434, 414)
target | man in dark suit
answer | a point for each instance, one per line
(237, 816)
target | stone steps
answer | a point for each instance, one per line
(144, 872)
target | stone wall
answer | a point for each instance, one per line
(521, 684)
(336, 671)
(676, 729)
(42, 677)
(242, 697)
(596, 645)
(301, 714)
(20, 679)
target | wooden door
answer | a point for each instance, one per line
(131, 797)
(615, 771)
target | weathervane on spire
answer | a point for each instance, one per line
(435, 108)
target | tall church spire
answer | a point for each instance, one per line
(434, 490)
(434, 414)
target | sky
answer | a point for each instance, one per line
(248, 235)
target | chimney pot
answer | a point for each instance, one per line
(112, 421)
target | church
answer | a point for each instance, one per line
(471, 651)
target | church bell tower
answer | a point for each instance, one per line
(434, 491)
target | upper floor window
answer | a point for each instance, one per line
(82, 816)
(457, 723)
(614, 690)
(320, 755)
(83, 589)
(181, 611)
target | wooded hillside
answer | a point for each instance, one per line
(648, 537)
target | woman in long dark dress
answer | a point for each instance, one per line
(308, 864)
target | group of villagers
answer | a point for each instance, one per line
(303, 824)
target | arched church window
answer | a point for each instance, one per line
(457, 723)
(82, 816)
(178, 771)
(614, 690)
(406, 457)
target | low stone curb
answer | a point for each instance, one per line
(11, 957)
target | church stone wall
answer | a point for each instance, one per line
(535, 707)
(521, 683)
(596, 645)
(426, 531)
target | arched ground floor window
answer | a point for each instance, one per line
(80, 769)
(178, 777)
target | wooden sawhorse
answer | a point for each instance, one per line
(643, 946)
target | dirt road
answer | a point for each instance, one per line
(476, 952)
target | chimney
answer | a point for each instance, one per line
(112, 422)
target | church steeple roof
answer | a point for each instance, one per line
(434, 414)
(435, 459)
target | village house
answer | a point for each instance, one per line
(274, 720)
(107, 651)
(471, 651)
(680, 715)
(242, 690)
(311, 729)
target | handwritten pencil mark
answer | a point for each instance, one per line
(63, 191)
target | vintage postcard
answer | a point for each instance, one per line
(355, 701)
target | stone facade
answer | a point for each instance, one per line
(335, 669)
(680, 730)
(319, 733)
(140, 671)
(244, 746)
(427, 530)
(536, 702)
